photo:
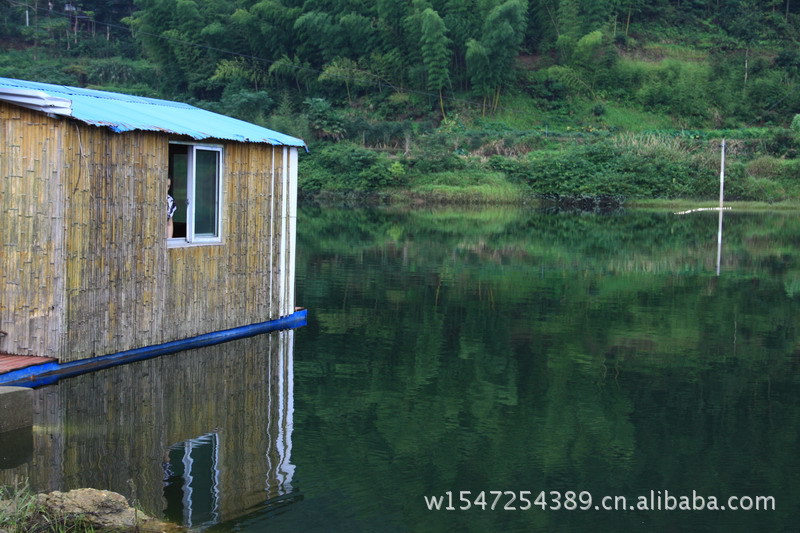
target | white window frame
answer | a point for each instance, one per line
(191, 238)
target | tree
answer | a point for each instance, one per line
(435, 54)
(479, 69)
(152, 25)
(462, 20)
(292, 69)
(324, 121)
(273, 32)
(357, 35)
(344, 70)
(314, 30)
(412, 27)
(240, 70)
(497, 49)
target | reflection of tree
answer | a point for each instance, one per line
(518, 350)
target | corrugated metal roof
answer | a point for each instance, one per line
(125, 112)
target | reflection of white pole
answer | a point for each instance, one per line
(280, 398)
(721, 199)
(286, 468)
(188, 462)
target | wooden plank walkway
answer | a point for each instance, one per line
(15, 362)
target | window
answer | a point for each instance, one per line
(192, 481)
(196, 174)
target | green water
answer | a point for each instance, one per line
(558, 358)
(512, 350)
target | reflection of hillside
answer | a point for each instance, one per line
(577, 351)
(622, 281)
(223, 411)
(622, 242)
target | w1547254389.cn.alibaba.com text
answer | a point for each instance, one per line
(655, 500)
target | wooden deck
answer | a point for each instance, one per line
(15, 362)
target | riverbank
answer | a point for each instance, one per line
(483, 197)
(76, 511)
(788, 205)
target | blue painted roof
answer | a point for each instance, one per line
(124, 112)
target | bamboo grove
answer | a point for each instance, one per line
(235, 49)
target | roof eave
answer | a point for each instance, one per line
(199, 136)
(37, 101)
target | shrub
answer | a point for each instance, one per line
(247, 105)
(739, 185)
(765, 190)
(783, 142)
(795, 126)
(515, 170)
(764, 167)
(606, 168)
(435, 153)
(547, 91)
(346, 166)
(677, 88)
(324, 120)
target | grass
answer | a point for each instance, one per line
(674, 51)
(632, 120)
(520, 112)
(470, 194)
(20, 512)
(523, 114)
(685, 204)
(464, 187)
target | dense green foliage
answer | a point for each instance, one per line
(409, 79)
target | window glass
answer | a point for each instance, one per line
(178, 173)
(205, 196)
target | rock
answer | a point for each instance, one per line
(105, 510)
(16, 404)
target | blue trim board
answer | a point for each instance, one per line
(47, 373)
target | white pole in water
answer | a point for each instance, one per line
(721, 199)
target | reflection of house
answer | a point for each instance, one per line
(224, 414)
(86, 268)
(191, 481)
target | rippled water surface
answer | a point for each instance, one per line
(454, 353)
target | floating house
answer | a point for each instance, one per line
(86, 266)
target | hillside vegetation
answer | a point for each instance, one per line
(460, 100)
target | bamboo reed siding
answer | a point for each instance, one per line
(112, 429)
(116, 253)
(85, 265)
(32, 300)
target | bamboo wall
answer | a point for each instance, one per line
(112, 429)
(116, 250)
(32, 245)
(85, 265)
